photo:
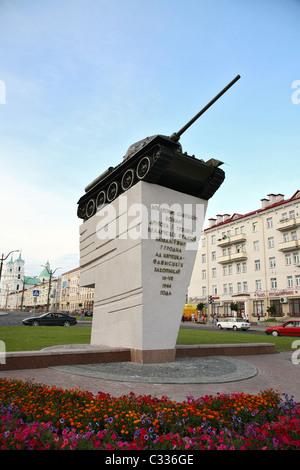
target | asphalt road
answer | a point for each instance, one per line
(15, 318)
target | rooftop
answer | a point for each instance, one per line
(273, 200)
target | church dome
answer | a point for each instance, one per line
(45, 272)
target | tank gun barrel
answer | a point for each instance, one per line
(176, 136)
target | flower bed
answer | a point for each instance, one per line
(34, 416)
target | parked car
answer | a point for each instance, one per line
(233, 323)
(50, 319)
(289, 328)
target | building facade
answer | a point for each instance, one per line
(251, 260)
(72, 295)
(11, 281)
(21, 291)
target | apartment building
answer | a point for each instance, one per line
(252, 260)
(72, 296)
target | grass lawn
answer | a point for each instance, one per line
(185, 336)
(27, 338)
(31, 338)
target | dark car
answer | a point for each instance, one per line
(289, 328)
(50, 319)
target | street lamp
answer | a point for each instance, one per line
(50, 272)
(3, 259)
(24, 282)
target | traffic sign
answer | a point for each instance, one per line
(36, 293)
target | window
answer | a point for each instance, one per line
(294, 235)
(286, 237)
(224, 288)
(203, 242)
(258, 307)
(258, 284)
(271, 242)
(245, 286)
(238, 268)
(295, 307)
(296, 257)
(257, 265)
(204, 258)
(269, 222)
(288, 259)
(297, 277)
(256, 245)
(254, 227)
(284, 216)
(290, 281)
(214, 290)
(230, 269)
(230, 286)
(292, 214)
(242, 229)
(214, 272)
(204, 290)
(227, 309)
(273, 283)
(213, 239)
(225, 270)
(239, 287)
(278, 306)
(244, 267)
(272, 262)
(213, 256)
(204, 274)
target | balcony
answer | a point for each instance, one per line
(240, 238)
(289, 246)
(240, 256)
(288, 224)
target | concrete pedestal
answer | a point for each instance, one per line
(139, 253)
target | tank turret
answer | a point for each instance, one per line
(157, 159)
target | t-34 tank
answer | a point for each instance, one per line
(157, 159)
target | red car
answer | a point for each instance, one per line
(289, 328)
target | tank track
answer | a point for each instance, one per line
(158, 165)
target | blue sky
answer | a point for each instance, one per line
(81, 80)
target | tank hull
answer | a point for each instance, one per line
(159, 161)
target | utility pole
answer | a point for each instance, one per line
(50, 272)
(3, 259)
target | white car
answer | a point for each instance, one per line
(233, 323)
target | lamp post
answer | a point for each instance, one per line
(3, 259)
(50, 272)
(24, 282)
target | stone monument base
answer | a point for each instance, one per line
(139, 252)
(153, 355)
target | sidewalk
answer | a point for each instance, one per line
(275, 371)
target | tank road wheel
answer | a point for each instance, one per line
(143, 168)
(90, 208)
(127, 180)
(100, 201)
(112, 191)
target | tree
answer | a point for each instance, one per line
(272, 310)
(200, 306)
(234, 306)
